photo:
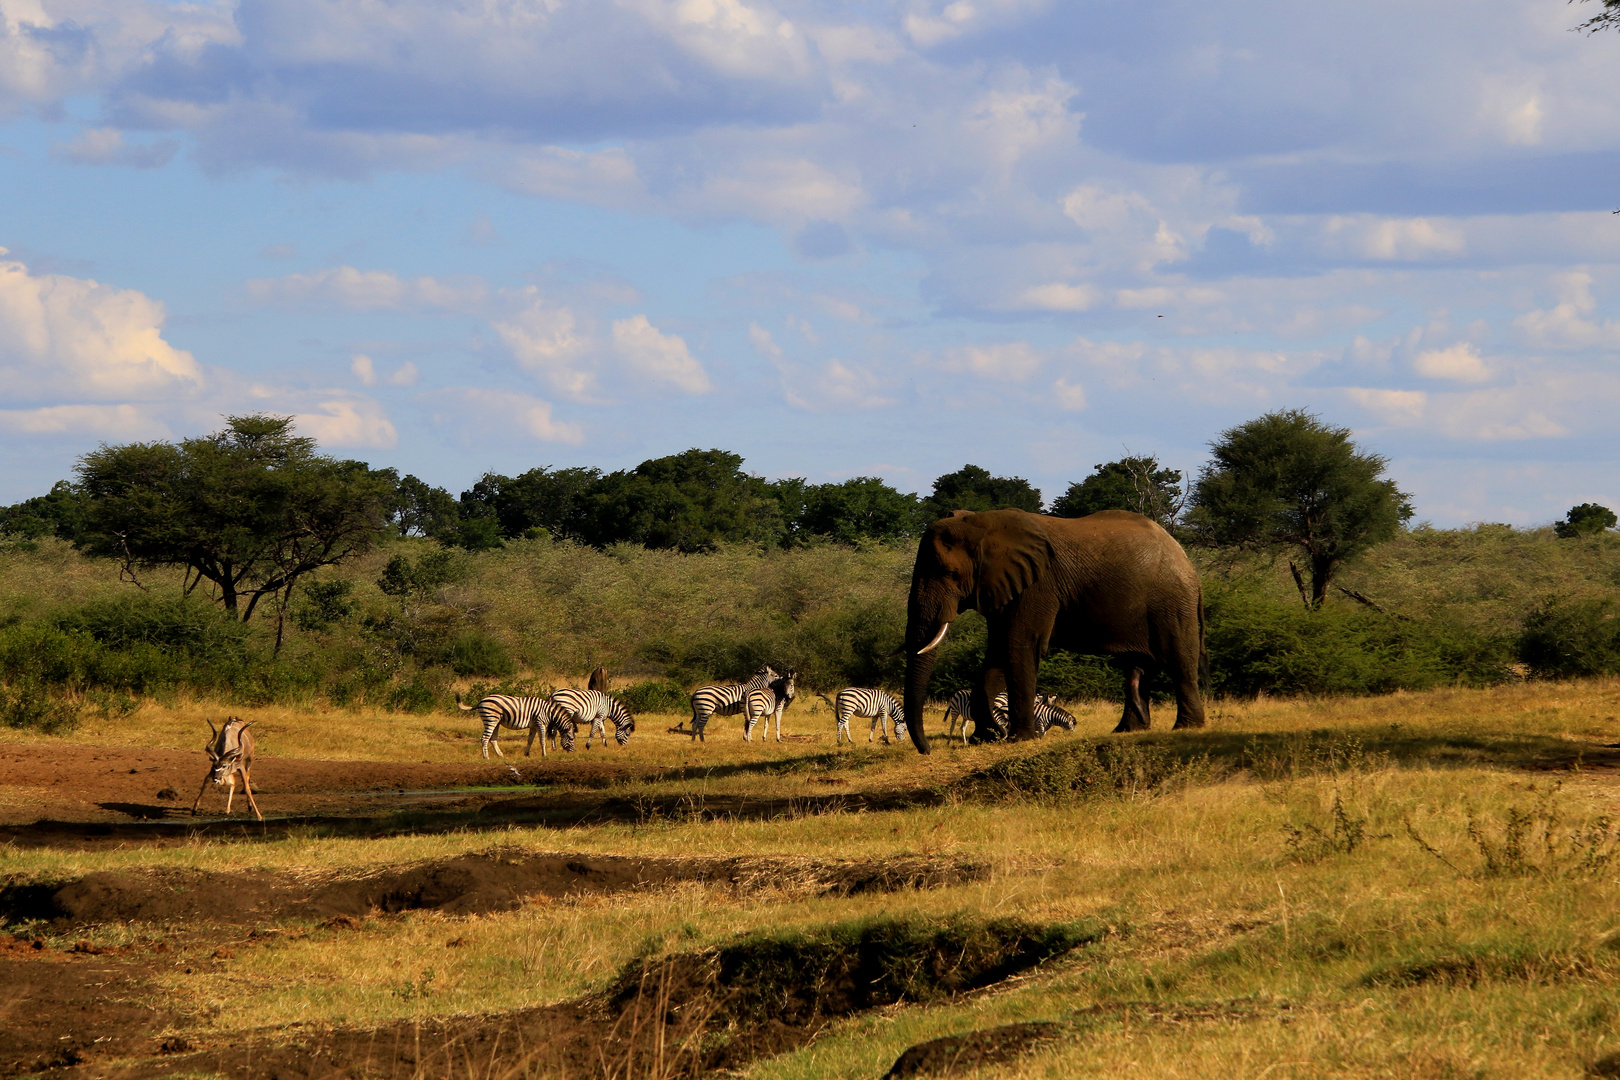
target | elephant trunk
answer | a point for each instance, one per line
(927, 620)
(918, 667)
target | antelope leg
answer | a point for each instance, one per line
(247, 787)
(199, 797)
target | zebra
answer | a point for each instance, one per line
(1047, 714)
(569, 707)
(726, 699)
(230, 754)
(761, 703)
(518, 713)
(880, 705)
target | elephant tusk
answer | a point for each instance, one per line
(939, 637)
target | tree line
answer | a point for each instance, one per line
(253, 508)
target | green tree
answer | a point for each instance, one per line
(1608, 18)
(1587, 519)
(973, 488)
(1289, 480)
(420, 509)
(864, 508)
(691, 501)
(556, 500)
(1134, 483)
(56, 513)
(249, 510)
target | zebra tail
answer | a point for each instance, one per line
(459, 705)
(828, 700)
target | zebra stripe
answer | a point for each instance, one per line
(518, 714)
(880, 705)
(569, 707)
(1047, 714)
(762, 702)
(725, 699)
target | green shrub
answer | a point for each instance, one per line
(27, 704)
(177, 625)
(655, 696)
(1567, 638)
(425, 692)
(476, 653)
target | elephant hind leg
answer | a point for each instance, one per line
(1137, 717)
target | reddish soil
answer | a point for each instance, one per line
(58, 1008)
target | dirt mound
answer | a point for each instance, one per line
(680, 1015)
(465, 885)
(958, 1055)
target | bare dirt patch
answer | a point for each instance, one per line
(58, 1009)
(681, 1015)
(958, 1055)
(465, 885)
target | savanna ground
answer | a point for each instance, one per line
(1411, 885)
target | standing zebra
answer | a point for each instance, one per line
(761, 703)
(569, 707)
(880, 705)
(726, 699)
(518, 713)
(1047, 714)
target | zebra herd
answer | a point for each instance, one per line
(766, 695)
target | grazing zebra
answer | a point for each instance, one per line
(230, 754)
(880, 705)
(569, 707)
(761, 703)
(1047, 714)
(726, 699)
(518, 714)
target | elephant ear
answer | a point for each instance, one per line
(1014, 552)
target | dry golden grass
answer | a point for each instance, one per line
(1236, 949)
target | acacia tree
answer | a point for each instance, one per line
(1289, 480)
(1137, 483)
(249, 510)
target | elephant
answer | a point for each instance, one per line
(1111, 583)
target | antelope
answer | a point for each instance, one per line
(231, 753)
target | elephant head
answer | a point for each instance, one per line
(965, 562)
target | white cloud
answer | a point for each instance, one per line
(1014, 360)
(68, 336)
(106, 146)
(662, 357)
(78, 421)
(404, 375)
(1460, 362)
(370, 290)
(833, 386)
(364, 370)
(484, 416)
(1057, 296)
(1070, 397)
(1568, 324)
(1399, 407)
(1395, 239)
(348, 422)
(547, 341)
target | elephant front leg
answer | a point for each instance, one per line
(1020, 671)
(1136, 716)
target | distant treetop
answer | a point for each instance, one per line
(1587, 519)
(973, 488)
(1136, 483)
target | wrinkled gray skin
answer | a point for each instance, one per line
(1113, 583)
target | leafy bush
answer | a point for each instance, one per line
(476, 653)
(1258, 644)
(655, 696)
(1567, 638)
(28, 704)
(177, 625)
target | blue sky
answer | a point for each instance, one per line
(838, 238)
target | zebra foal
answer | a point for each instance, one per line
(725, 699)
(230, 754)
(529, 714)
(880, 705)
(762, 703)
(568, 707)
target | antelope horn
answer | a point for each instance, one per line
(939, 637)
(211, 729)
